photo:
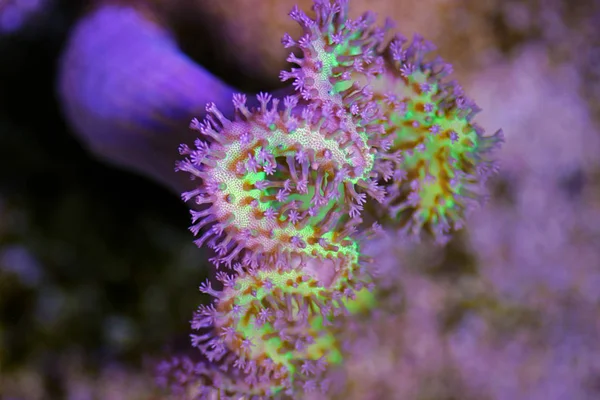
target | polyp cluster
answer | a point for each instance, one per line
(282, 189)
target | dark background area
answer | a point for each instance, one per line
(101, 261)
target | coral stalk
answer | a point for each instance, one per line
(127, 90)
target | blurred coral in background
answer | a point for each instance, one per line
(14, 14)
(98, 275)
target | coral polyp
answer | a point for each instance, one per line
(201, 380)
(278, 183)
(444, 154)
(333, 48)
(275, 322)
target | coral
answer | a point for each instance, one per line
(430, 155)
(281, 187)
(445, 156)
(333, 49)
(277, 184)
(277, 324)
(185, 378)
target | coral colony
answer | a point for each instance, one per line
(282, 189)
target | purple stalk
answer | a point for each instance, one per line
(129, 92)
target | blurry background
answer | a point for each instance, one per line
(98, 275)
(96, 264)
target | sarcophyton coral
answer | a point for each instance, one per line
(281, 190)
